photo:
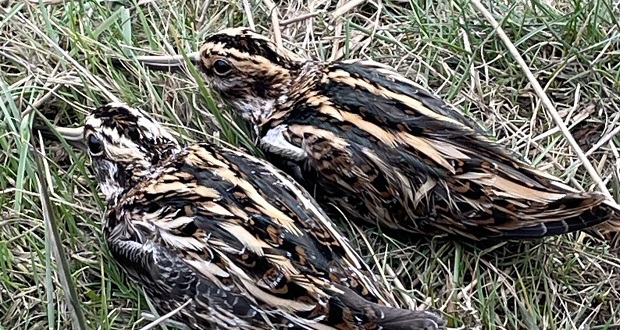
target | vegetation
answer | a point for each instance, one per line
(55, 64)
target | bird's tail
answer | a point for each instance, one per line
(403, 319)
(610, 229)
(391, 318)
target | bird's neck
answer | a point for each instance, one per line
(302, 83)
(114, 191)
(125, 177)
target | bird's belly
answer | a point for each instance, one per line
(171, 283)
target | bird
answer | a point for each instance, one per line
(228, 234)
(384, 150)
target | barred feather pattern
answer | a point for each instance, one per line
(231, 234)
(386, 151)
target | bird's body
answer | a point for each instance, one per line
(230, 235)
(384, 150)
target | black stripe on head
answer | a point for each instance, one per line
(252, 43)
(119, 117)
(133, 124)
(114, 116)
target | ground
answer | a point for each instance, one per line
(55, 63)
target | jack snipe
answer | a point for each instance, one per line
(231, 233)
(385, 150)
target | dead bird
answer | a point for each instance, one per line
(237, 238)
(385, 150)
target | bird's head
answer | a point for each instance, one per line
(124, 144)
(248, 70)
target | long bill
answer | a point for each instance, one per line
(73, 135)
(168, 63)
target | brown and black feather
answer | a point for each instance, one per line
(237, 238)
(385, 150)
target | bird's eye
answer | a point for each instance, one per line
(221, 67)
(94, 145)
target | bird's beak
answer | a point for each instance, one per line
(73, 135)
(174, 63)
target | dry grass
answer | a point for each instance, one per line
(572, 46)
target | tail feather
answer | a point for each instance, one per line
(574, 212)
(402, 319)
(609, 228)
(391, 318)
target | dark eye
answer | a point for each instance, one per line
(221, 67)
(94, 145)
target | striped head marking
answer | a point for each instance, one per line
(124, 144)
(248, 70)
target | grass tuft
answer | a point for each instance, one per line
(56, 57)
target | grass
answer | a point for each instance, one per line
(54, 62)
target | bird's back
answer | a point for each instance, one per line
(248, 245)
(388, 151)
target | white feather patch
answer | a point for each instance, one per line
(274, 141)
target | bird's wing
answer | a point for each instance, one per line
(373, 132)
(245, 226)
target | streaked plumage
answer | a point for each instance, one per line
(385, 150)
(236, 236)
